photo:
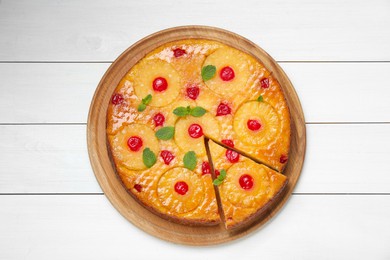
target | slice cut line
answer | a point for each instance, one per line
(213, 176)
(220, 143)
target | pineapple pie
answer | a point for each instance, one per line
(195, 119)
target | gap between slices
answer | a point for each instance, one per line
(212, 171)
(242, 153)
(246, 181)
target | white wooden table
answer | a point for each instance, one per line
(52, 56)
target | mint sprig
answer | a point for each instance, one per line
(198, 111)
(180, 111)
(185, 111)
(144, 102)
(189, 160)
(221, 177)
(148, 157)
(165, 133)
(208, 72)
(260, 98)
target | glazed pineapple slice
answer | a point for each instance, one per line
(180, 190)
(190, 131)
(257, 123)
(247, 189)
(232, 71)
(157, 78)
(128, 144)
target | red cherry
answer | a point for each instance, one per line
(206, 169)
(167, 156)
(253, 125)
(134, 143)
(181, 187)
(228, 142)
(160, 84)
(246, 182)
(117, 99)
(264, 83)
(158, 119)
(283, 158)
(223, 109)
(138, 187)
(232, 156)
(195, 131)
(193, 92)
(178, 52)
(227, 73)
(217, 173)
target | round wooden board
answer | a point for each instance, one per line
(105, 171)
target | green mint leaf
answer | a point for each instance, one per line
(188, 110)
(208, 72)
(189, 160)
(222, 175)
(141, 107)
(165, 133)
(217, 182)
(147, 99)
(260, 98)
(220, 178)
(148, 157)
(198, 111)
(180, 111)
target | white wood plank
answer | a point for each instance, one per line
(54, 159)
(342, 92)
(88, 227)
(50, 159)
(346, 158)
(100, 30)
(61, 93)
(48, 93)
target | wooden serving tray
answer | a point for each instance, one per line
(105, 171)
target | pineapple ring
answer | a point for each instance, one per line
(174, 201)
(146, 72)
(263, 113)
(240, 197)
(235, 59)
(210, 128)
(121, 151)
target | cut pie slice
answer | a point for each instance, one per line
(246, 188)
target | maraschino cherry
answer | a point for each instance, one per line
(227, 73)
(193, 92)
(160, 84)
(117, 99)
(181, 187)
(195, 131)
(159, 119)
(134, 143)
(253, 124)
(167, 156)
(264, 83)
(223, 109)
(206, 169)
(246, 181)
(178, 52)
